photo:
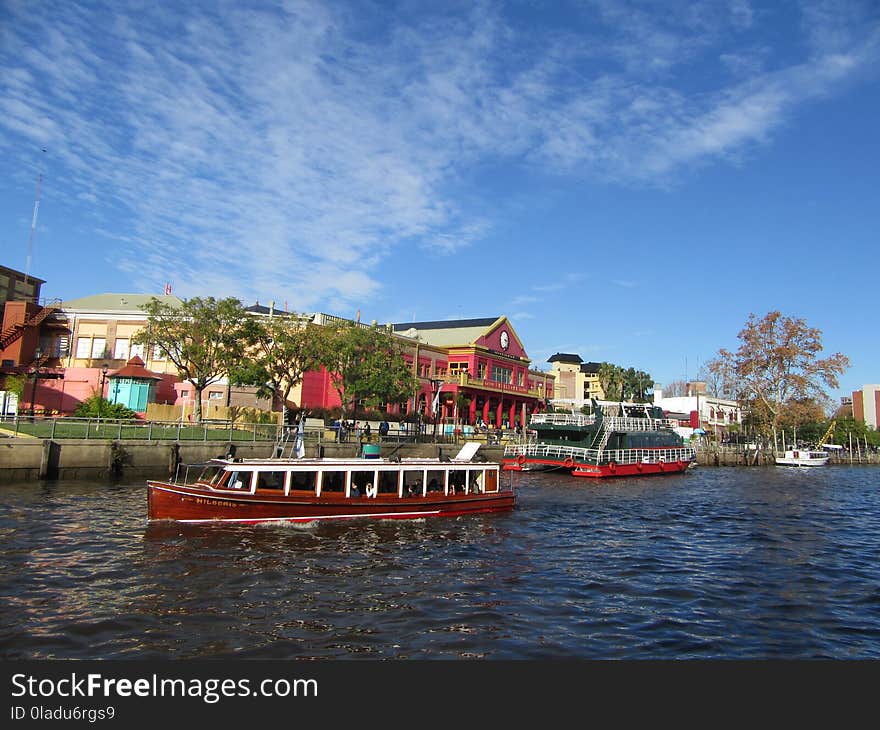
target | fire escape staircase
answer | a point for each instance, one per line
(15, 331)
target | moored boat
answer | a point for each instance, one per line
(803, 457)
(306, 490)
(618, 439)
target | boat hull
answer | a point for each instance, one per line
(781, 461)
(167, 501)
(599, 471)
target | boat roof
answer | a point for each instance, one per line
(353, 462)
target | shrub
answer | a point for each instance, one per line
(97, 407)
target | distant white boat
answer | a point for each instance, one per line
(802, 457)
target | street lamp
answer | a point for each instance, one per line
(435, 389)
(104, 369)
(38, 354)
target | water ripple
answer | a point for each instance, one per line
(732, 563)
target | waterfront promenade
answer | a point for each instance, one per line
(92, 450)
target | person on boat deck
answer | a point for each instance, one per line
(433, 486)
(366, 431)
(355, 490)
(383, 430)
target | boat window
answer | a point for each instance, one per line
(435, 481)
(361, 479)
(457, 480)
(239, 480)
(270, 480)
(477, 485)
(387, 482)
(333, 482)
(211, 475)
(412, 483)
(302, 481)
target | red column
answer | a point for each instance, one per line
(511, 416)
(486, 410)
(472, 408)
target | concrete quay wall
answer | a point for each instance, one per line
(26, 459)
(23, 459)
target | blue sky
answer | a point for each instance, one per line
(624, 180)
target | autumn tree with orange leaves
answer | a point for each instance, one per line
(778, 365)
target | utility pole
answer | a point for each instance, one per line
(30, 248)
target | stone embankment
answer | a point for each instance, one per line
(766, 457)
(28, 459)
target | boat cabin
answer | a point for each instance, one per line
(350, 478)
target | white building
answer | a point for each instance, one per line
(700, 410)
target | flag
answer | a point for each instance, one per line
(300, 439)
(435, 403)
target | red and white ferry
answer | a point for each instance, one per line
(617, 439)
(307, 490)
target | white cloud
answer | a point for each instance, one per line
(286, 150)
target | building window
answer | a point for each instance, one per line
(158, 353)
(83, 347)
(482, 370)
(215, 395)
(501, 375)
(137, 350)
(99, 345)
(120, 349)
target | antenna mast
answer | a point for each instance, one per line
(30, 248)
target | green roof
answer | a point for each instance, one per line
(447, 333)
(119, 302)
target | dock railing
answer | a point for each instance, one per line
(57, 428)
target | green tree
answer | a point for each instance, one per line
(611, 378)
(366, 365)
(205, 338)
(636, 384)
(778, 363)
(15, 384)
(624, 384)
(285, 349)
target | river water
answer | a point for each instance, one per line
(716, 563)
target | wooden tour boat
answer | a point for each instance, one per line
(618, 439)
(306, 490)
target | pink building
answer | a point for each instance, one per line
(477, 368)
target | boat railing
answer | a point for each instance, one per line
(563, 419)
(612, 423)
(551, 451)
(619, 456)
(620, 423)
(650, 456)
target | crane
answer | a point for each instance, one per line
(828, 434)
